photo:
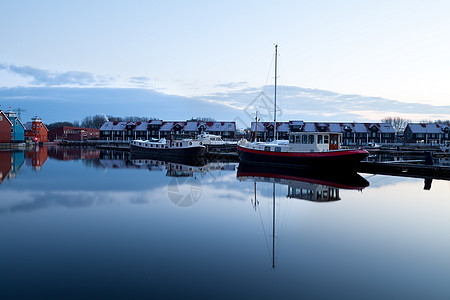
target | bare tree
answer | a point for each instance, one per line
(399, 124)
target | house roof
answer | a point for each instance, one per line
(426, 127)
(6, 117)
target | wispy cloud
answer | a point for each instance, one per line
(232, 85)
(48, 78)
(141, 81)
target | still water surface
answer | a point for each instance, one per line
(88, 224)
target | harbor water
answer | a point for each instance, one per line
(83, 223)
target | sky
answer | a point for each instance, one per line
(211, 50)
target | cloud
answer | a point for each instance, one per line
(54, 104)
(141, 81)
(47, 78)
(231, 85)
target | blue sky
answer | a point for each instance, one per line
(197, 50)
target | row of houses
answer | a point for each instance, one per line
(12, 130)
(358, 133)
(125, 131)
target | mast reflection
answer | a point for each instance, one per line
(308, 185)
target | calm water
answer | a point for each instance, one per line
(86, 224)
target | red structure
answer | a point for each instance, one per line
(36, 131)
(5, 128)
(36, 157)
(73, 133)
(5, 164)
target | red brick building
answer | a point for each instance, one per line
(5, 128)
(73, 133)
(36, 131)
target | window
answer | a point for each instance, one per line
(325, 139)
(319, 139)
(310, 139)
(304, 139)
(266, 148)
(297, 139)
(277, 149)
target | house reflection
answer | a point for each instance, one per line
(36, 157)
(65, 153)
(5, 164)
(10, 163)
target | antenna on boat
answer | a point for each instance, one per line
(256, 126)
(275, 98)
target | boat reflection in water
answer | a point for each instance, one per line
(184, 160)
(305, 184)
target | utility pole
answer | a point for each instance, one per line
(19, 112)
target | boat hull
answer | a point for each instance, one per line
(337, 179)
(170, 152)
(345, 159)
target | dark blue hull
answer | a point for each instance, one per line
(170, 152)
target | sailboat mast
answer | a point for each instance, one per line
(273, 228)
(275, 98)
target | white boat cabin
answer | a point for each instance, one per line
(165, 144)
(210, 139)
(300, 142)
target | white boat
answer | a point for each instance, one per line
(168, 148)
(210, 139)
(215, 142)
(305, 149)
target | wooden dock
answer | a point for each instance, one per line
(405, 169)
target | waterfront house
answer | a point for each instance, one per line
(36, 131)
(427, 133)
(5, 128)
(17, 128)
(352, 133)
(127, 131)
(69, 133)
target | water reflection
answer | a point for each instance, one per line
(304, 184)
(301, 184)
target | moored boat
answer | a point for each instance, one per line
(169, 148)
(305, 149)
(216, 143)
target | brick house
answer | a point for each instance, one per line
(36, 131)
(73, 133)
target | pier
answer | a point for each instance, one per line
(405, 169)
